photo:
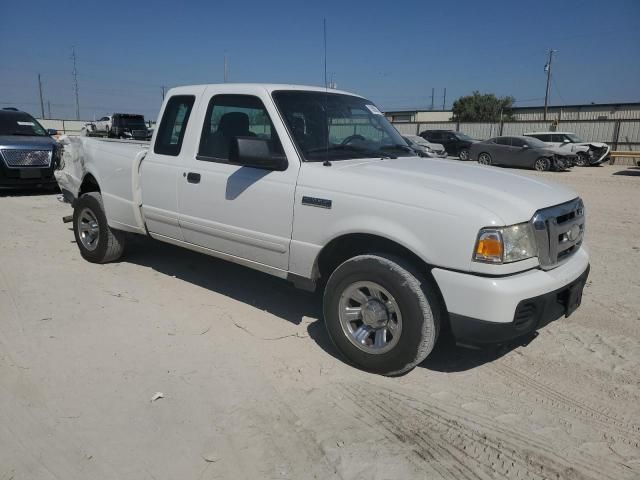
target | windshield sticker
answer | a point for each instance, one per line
(26, 124)
(373, 109)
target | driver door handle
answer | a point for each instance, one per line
(193, 177)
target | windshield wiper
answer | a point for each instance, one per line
(397, 146)
(364, 152)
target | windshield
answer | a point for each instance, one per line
(332, 126)
(20, 123)
(462, 136)
(574, 138)
(417, 139)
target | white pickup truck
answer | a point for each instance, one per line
(316, 187)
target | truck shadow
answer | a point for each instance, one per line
(280, 298)
(260, 290)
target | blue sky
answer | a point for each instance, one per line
(393, 52)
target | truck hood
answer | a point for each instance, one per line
(450, 186)
(23, 141)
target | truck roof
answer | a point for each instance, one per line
(253, 87)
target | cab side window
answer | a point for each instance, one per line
(504, 141)
(517, 142)
(173, 125)
(557, 137)
(231, 116)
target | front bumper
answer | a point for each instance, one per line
(486, 309)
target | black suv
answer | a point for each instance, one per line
(28, 154)
(128, 125)
(455, 143)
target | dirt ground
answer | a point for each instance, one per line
(253, 389)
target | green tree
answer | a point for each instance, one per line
(482, 107)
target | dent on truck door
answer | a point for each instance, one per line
(161, 168)
(241, 211)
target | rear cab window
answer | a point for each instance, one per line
(173, 125)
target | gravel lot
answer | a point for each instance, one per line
(253, 389)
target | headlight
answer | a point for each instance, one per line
(505, 244)
(428, 149)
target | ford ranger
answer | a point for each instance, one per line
(316, 186)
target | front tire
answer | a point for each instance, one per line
(464, 154)
(98, 243)
(381, 313)
(542, 164)
(484, 159)
(582, 160)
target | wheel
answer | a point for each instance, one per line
(98, 243)
(582, 160)
(542, 164)
(484, 159)
(381, 313)
(464, 154)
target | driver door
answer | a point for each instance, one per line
(240, 211)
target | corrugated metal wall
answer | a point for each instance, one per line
(595, 131)
(480, 130)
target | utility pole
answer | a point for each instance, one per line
(226, 70)
(49, 108)
(433, 96)
(163, 92)
(75, 81)
(547, 68)
(444, 98)
(41, 102)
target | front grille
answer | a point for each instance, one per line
(18, 158)
(559, 232)
(139, 133)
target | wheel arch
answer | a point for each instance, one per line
(348, 245)
(89, 184)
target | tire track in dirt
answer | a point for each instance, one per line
(470, 449)
(616, 427)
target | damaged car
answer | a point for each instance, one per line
(588, 153)
(425, 148)
(521, 152)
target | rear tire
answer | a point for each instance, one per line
(98, 243)
(484, 159)
(542, 164)
(381, 313)
(464, 154)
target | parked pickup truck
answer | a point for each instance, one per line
(316, 187)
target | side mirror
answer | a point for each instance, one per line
(254, 152)
(566, 140)
(52, 131)
(525, 146)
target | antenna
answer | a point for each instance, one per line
(226, 69)
(75, 81)
(324, 26)
(326, 162)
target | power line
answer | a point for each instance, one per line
(41, 102)
(547, 68)
(75, 82)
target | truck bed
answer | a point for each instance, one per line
(118, 175)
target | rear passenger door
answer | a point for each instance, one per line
(161, 168)
(243, 212)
